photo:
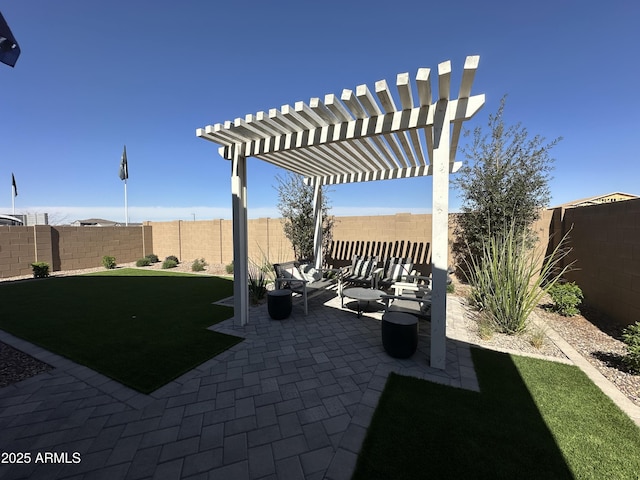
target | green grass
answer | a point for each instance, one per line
(533, 419)
(142, 328)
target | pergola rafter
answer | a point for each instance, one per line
(357, 138)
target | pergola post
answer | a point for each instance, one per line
(240, 242)
(317, 218)
(440, 235)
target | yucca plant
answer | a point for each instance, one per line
(507, 281)
(257, 283)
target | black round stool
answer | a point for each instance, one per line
(399, 334)
(279, 304)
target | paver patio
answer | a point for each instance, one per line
(293, 400)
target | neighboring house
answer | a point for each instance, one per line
(607, 198)
(31, 219)
(95, 222)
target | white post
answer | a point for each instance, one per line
(13, 201)
(317, 217)
(440, 235)
(240, 243)
(126, 206)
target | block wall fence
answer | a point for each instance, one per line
(69, 248)
(605, 241)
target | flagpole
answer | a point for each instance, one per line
(14, 192)
(124, 175)
(126, 206)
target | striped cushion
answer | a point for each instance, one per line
(363, 266)
(399, 270)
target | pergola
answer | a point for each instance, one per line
(356, 139)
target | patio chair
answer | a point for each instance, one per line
(359, 273)
(415, 303)
(395, 269)
(303, 280)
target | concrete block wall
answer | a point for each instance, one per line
(17, 251)
(605, 241)
(402, 234)
(213, 240)
(68, 248)
(84, 247)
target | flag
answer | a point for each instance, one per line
(13, 184)
(9, 49)
(124, 167)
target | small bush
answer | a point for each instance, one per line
(566, 298)
(537, 338)
(169, 263)
(198, 265)
(153, 258)
(451, 288)
(173, 258)
(109, 262)
(229, 268)
(143, 262)
(631, 337)
(40, 269)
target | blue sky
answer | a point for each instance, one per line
(94, 76)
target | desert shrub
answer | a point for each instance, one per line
(173, 258)
(109, 262)
(537, 338)
(169, 263)
(506, 280)
(40, 269)
(257, 284)
(566, 298)
(451, 288)
(198, 265)
(143, 262)
(229, 268)
(631, 337)
(153, 258)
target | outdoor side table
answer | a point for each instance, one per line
(279, 304)
(399, 334)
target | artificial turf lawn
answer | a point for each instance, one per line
(533, 419)
(142, 328)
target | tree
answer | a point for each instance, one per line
(505, 184)
(295, 202)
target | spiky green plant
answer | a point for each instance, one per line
(257, 283)
(507, 281)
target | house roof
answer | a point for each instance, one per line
(598, 199)
(97, 221)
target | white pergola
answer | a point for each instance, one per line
(357, 138)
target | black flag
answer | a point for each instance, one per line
(9, 49)
(13, 184)
(124, 167)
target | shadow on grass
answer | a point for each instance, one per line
(141, 330)
(426, 430)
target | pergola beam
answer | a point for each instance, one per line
(374, 126)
